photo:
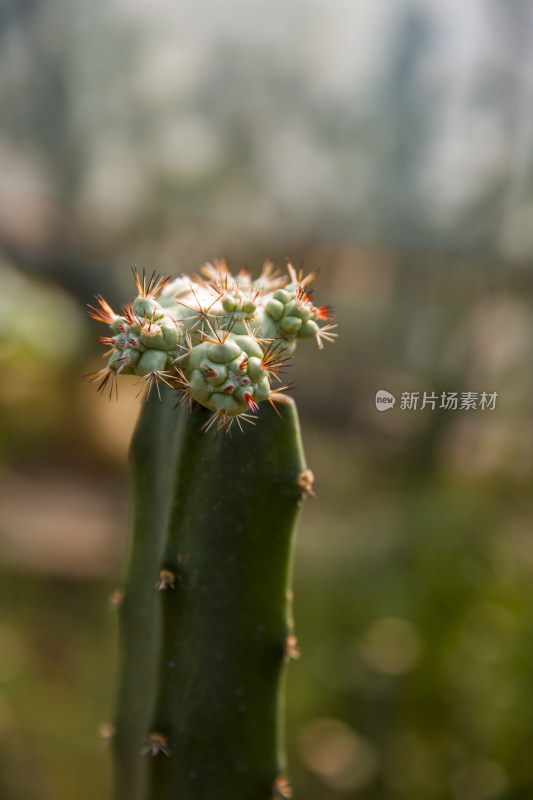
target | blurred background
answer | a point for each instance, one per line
(391, 146)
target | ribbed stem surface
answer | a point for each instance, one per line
(152, 457)
(225, 622)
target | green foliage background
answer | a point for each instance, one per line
(391, 147)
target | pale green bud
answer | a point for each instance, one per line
(275, 309)
(229, 304)
(132, 356)
(152, 361)
(199, 388)
(225, 376)
(309, 329)
(160, 336)
(224, 352)
(290, 325)
(147, 308)
(283, 296)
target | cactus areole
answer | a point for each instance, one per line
(205, 601)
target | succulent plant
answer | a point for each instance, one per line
(219, 340)
(205, 602)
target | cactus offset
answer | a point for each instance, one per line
(218, 340)
(207, 589)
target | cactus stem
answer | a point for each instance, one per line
(153, 454)
(226, 629)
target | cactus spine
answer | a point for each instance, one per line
(213, 520)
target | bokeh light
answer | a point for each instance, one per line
(389, 145)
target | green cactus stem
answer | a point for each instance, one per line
(226, 621)
(152, 455)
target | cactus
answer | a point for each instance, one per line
(206, 621)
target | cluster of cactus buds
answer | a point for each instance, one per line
(220, 340)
